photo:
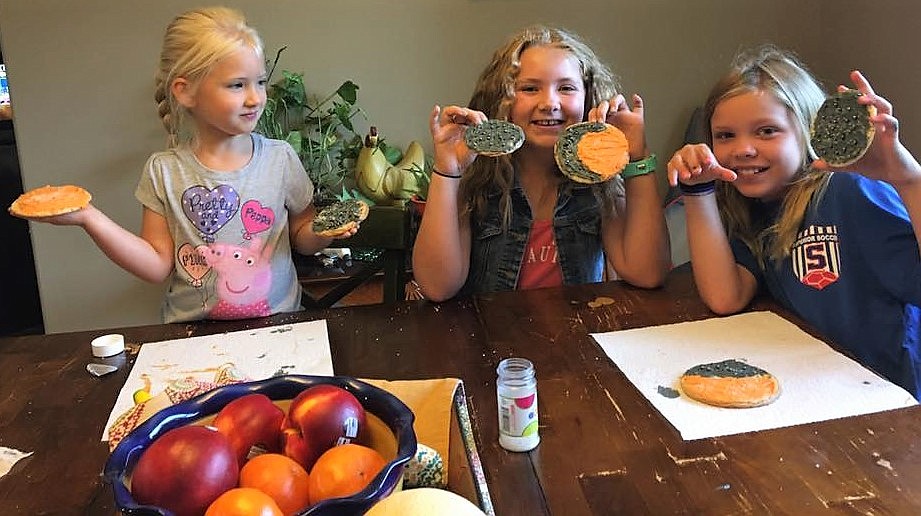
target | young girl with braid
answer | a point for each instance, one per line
(224, 206)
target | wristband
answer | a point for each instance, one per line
(442, 174)
(697, 189)
(640, 167)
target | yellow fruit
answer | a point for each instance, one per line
(140, 396)
(424, 501)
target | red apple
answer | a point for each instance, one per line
(251, 420)
(319, 418)
(184, 470)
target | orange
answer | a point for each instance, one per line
(243, 501)
(343, 471)
(280, 477)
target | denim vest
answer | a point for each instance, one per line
(496, 255)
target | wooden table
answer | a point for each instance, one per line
(604, 448)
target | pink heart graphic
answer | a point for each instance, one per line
(193, 263)
(256, 218)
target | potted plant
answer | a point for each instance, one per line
(423, 178)
(319, 129)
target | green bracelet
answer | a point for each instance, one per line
(640, 167)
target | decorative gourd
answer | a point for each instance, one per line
(383, 183)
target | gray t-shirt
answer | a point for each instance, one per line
(230, 231)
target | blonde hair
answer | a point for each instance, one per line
(194, 42)
(494, 94)
(779, 73)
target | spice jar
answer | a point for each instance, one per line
(516, 393)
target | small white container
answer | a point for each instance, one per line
(108, 345)
(516, 393)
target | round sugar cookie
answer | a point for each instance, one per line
(730, 383)
(48, 201)
(591, 152)
(339, 218)
(841, 132)
(494, 138)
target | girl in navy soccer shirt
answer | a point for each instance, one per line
(839, 248)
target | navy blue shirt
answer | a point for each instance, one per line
(854, 274)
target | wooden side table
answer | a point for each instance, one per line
(387, 229)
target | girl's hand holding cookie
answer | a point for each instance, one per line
(694, 164)
(886, 159)
(448, 126)
(631, 121)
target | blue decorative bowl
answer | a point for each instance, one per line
(381, 406)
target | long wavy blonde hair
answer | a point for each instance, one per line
(494, 94)
(193, 43)
(779, 73)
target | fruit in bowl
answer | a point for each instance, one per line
(388, 430)
(251, 420)
(187, 452)
(319, 418)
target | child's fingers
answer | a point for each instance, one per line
(724, 173)
(682, 167)
(861, 82)
(434, 123)
(637, 104)
(696, 164)
(885, 123)
(600, 112)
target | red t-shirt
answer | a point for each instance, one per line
(539, 267)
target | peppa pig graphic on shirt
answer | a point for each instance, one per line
(243, 278)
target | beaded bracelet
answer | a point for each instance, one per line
(697, 189)
(442, 174)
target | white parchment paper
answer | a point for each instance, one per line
(817, 383)
(301, 348)
(9, 457)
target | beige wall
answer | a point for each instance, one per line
(81, 79)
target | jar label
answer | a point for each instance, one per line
(518, 416)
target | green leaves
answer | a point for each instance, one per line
(290, 89)
(319, 129)
(348, 92)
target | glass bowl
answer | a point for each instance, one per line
(390, 425)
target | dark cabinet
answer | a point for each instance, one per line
(20, 308)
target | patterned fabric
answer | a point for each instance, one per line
(425, 469)
(177, 391)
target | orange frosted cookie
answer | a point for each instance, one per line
(48, 201)
(591, 152)
(730, 383)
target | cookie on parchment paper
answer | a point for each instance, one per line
(731, 384)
